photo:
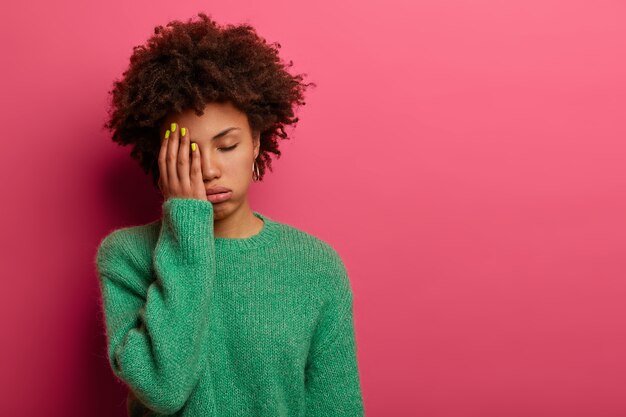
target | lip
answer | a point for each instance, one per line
(219, 197)
(215, 190)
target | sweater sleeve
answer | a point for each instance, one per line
(157, 315)
(332, 384)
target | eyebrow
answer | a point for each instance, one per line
(224, 132)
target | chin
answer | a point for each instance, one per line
(222, 210)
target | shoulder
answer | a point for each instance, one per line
(127, 247)
(318, 257)
(311, 245)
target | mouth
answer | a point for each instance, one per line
(219, 197)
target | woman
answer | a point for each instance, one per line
(214, 309)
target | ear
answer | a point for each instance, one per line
(256, 142)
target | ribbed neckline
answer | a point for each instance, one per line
(267, 235)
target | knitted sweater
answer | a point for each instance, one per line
(198, 325)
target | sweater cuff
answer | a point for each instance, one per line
(187, 223)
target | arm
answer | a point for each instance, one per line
(157, 335)
(332, 385)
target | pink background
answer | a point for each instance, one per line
(466, 159)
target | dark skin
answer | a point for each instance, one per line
(226, 161)
(179, 177)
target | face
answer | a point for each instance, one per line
(226, 160)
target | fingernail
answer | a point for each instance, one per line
(173, 127)
(167, 134)
(183, 131)
(193, 146)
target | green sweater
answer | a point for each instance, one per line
(198, 325)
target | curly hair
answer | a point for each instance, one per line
(187, 65)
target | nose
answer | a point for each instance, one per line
(210, 165)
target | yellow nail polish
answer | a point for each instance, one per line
(173, 127)
(167, 134)
(183, 131)
(193, 146)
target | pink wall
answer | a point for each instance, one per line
(465, 158)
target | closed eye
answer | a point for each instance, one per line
(230, 148)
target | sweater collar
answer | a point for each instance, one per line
(267, 235)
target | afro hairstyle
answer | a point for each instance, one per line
(186, 65)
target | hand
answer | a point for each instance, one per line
(177, 177)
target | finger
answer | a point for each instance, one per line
(196, 170)
(163, 161)
(172, 157)
(183, 159)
